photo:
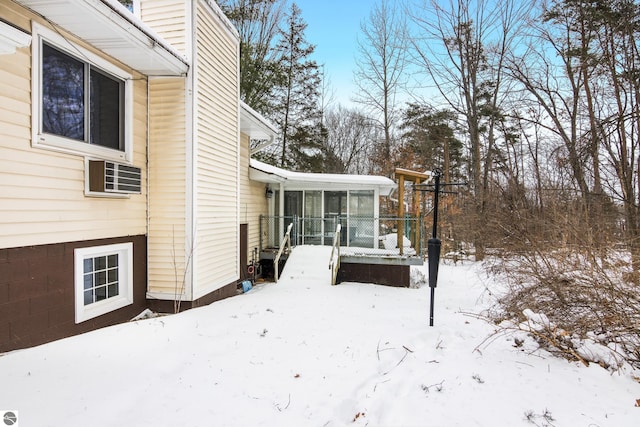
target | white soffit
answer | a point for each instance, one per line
(11, 38)
(253, 124)
(110, 27)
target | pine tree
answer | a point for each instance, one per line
(429, 139)
(258, 22)
(298, 115)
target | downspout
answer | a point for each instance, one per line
(148, 196)
(239, 261)
(191, 141)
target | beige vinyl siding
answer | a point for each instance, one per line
(168, 249)
(15, 15)
(42, 192)
(168, 19)
(217, 155)
(253, 201)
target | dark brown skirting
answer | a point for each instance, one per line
(37, 292)
(167, 306)
(381, 274)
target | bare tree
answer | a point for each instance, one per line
(349, 144)
(258, 22)
(617, 105)
(461, 46)
(380, 69)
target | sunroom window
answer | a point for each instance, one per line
(81, 101)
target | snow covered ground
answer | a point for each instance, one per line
(302, 353)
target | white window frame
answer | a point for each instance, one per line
(125, 280)
(66, 145)
(136, 8)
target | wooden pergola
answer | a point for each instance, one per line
(403, 175)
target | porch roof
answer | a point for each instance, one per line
(110, 27)
(256, 127)
(263, 172)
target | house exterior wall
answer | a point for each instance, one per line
(170, 236)
(253, 201)
(216, 152)
(168, 18)
(37, 292)
(169, 248)
(42, 191)
(194, 157)
(44, 212)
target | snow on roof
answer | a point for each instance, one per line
(110, 27)
(256, 126)
(274, 174)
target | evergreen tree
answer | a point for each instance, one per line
(298, 115)
(259, 25)
(430, 141)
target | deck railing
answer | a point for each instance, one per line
(286, 243)
(334, 260)
(356, 231)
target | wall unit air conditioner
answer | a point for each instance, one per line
(112, 177)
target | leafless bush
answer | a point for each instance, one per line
(571, 283)
(582, 300)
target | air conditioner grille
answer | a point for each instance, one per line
(111, 177)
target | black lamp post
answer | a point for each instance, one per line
(434, 245)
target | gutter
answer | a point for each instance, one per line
(124, 13)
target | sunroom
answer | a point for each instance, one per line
(316, 203)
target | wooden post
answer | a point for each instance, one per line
(416, 232)
(418, 225)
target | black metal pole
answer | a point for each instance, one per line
(433, 248)
(435, 204)
(431, 306)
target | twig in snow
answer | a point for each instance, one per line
(381, 382)
(378, 349)
(531, 417)
(438, 386)
(288, 403)
(401, 360)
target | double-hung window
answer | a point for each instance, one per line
(82, 103)
(103, 279)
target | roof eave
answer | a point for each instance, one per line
(110, 27)
(254, 125)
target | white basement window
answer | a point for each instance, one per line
(82, 104)
(103, 279)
